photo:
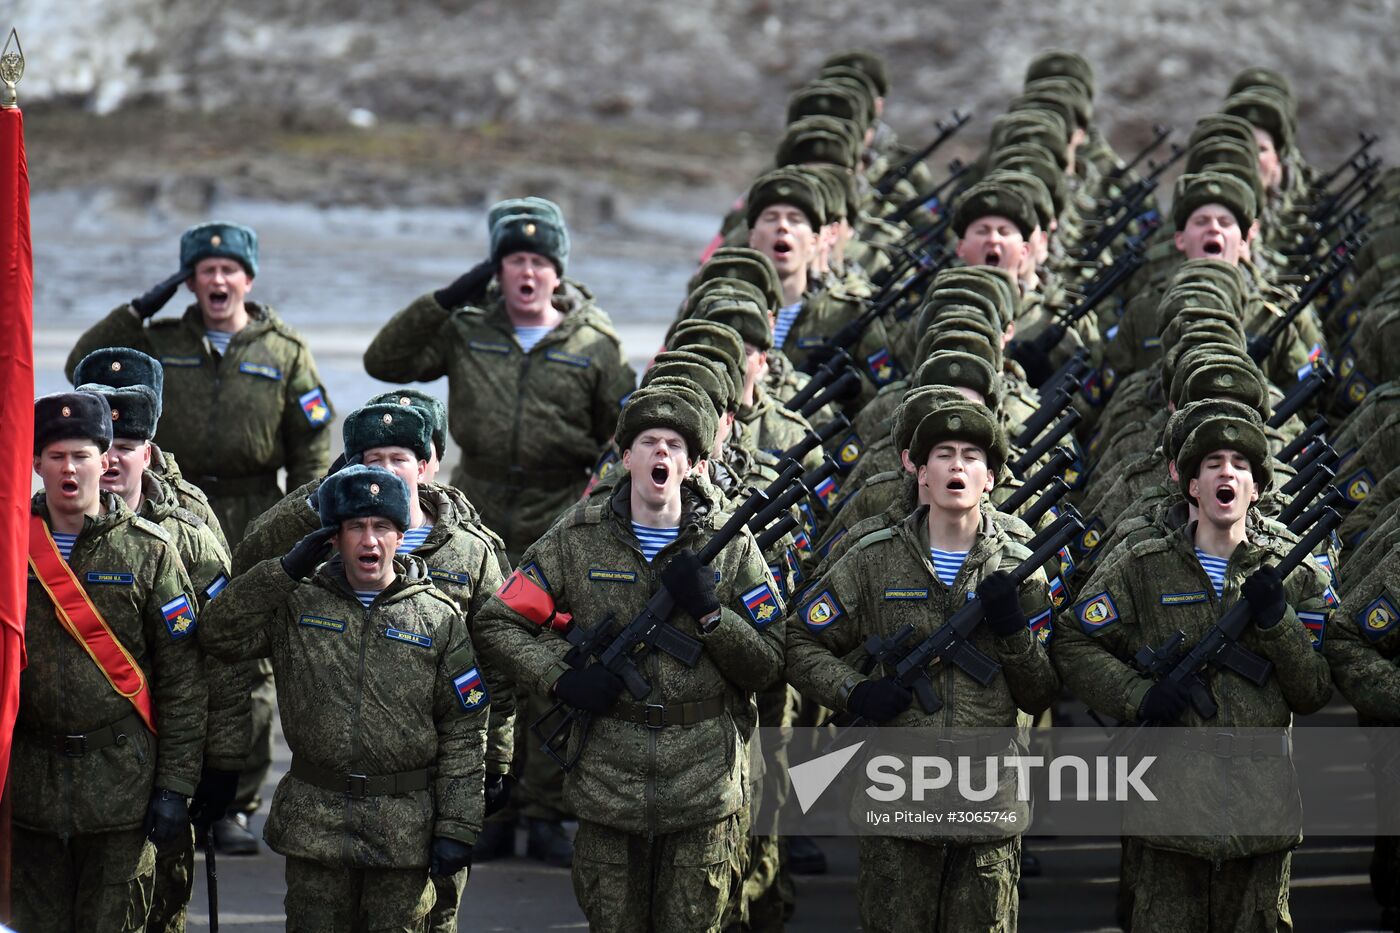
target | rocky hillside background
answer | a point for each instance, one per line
(683, 81)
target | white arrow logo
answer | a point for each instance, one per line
(811, 778)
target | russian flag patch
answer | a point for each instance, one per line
(313, 405)
(471, 689)
(179, 617)
(761, 604)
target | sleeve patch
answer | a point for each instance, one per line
(1042, 625)
(761, 604)
(1358, 485)
(216, 587)
(822, 611)
(1316, 624)
(1358, 387)
(778, 573)
(850, 451)
(825, 490)
(179, 617)
(1378, 618)
(881, 366)
(825, 549)
(1059, 594)
(409, 638)
(1091, 537)
(1096, 612)
(471, 689)
(533, 571)
(262, 370)
(313, 405)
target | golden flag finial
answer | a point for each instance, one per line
(11, 70)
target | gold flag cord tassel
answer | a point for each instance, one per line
(11, 70)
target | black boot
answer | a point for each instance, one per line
(803, 856)
(547, 842)
(496, 840)
(232, 836)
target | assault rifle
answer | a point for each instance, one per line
(1102, 285)
(1040, 448)
(1300, 394)
(1052, 468)
(946, 129)
(1261, 345)
(956, 170)
(1323, 182)
(1159, 136)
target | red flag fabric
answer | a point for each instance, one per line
(16, 414)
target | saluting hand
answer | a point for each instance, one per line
(469, 289)
(155, 299)
(308, 553)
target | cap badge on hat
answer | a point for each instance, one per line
(990, 200)
(1213, 187)
(954, 368)
(388, 419)
(404, 400)
(529, 229)
(784, 189)
(1225, 380)
(67, 412)
(1231, 432)
(116, 366)
(955, 421)
(374, 489)
(216, 240)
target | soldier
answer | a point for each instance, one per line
(245, 398)
(383, 706)
(107, 747)
(1183, 581)
(918, 572)
(135, 410)
(658, 786)
(535, 378)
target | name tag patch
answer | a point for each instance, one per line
(450, 576)
(408, 638)
(261, 369)
(114, 579)
(906, 594)
(484, 347)
(568, 359)
(1182, 599)
(471, 690)
(179, 617)
(182, 362)
(321, 622)
(612, 576)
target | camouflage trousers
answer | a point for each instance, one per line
(1173, 891)
(100, 881)
(678, 882)
(337, 899)
(448, 895)
(174, 882)
(907, 885)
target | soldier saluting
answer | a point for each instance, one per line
(110, 730)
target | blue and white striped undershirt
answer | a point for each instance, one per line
(367, 596)
(219, 340)
(413, 538)
(946, 564)
(1215, 569)
(65, 544)
(527, 337)
(653, 540)
(786, 318)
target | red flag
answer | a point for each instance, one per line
(16, 413)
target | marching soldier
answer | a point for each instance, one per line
(383, 706)
(111, 720)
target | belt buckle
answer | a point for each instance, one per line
(73, 746)
(1224, 744)
(357, 785)
(655, 716)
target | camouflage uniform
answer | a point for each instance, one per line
(363, 691)
(189, 496)
(1144, 595)
(884, 581)
(530, 425)
(659, 843)
(233, 420)
(78, 807)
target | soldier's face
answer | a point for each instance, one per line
(994, 241)
(71, 471)
(126, 462)
(755, 369)
(1224, 488)
(783, 233)
(367, 548)
(220, 285)
(400, 461)
(528, 281)
(955, 476)
(1212, 232)
(1270, 166)
(657, 462)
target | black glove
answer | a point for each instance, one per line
(469, 289)
(308, 553)
(1264, 590)
(167, 817)
(1001, 604)
(1035, 360)
(691, 583)
(448, 856)
(594, 689)
(821, 355)
(155, 299)
(498, 790)
(878, 700)
(212, 797)
(1164, 702)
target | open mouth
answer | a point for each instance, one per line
(1224, 495)
(957, 485)
(660, 473)
(782, 247)
(111, 474)
(368, 561)
(527, 290)
(993, 257)
(69, 487)
(218, 301)
(1213, 247)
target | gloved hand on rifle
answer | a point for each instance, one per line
(468, 289)
(213, 797)
(594, 689)
(155, 299)
(1034, 356)
(1001, 604)
(448, 856)
(1267, 601)
(879, 700)
(308, 553)
(691, 584)
(1164, 702)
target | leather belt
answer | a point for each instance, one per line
(77, 745)
(1231, 745)
(661, 715)
(361, 785)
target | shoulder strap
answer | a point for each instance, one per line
(80, 618)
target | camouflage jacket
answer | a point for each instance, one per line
(229, 733)
(629, 776)
(466, 563)
(1158, 588)
(1363, 643)
(164, 468)
(245, 414)
(826, 312)
(370, 691)
(133, 576)
(530, 425)
(768, 426)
